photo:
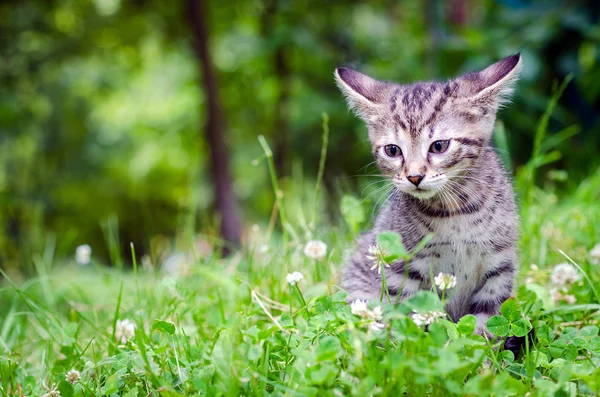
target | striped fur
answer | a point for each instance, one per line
(465, 198)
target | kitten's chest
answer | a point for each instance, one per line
(466, 261)
(461, 249)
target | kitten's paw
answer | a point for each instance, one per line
(514, 344)
(483, 331)
(481, 328)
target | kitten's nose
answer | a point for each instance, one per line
(415, 179)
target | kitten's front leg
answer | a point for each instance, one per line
(403, 282)
(494, 288)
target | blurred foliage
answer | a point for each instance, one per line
(100, 105)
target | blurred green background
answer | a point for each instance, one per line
(104, 106)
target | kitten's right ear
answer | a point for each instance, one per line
(362, 92)
(493, 85)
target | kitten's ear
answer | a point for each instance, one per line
(494, 84)
(364, 94)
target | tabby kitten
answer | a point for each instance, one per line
(432, 140)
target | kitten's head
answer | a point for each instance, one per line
(425, 135)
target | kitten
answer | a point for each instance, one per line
(432, 140)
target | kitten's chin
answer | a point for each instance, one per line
(421, 194)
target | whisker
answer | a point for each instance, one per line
(377, 210)
(380, 205)
(452, 196)
(460, 188)
(386, 186)
(372, 183)
(366, 166)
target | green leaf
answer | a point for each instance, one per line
(328, 349)
(451, 329)
(29, 382)
(112, 384)
(568, 333)
(422, 244)
(511, 310)
(501, 142)
(391, 244)
(546, 387)
(321, 373)
(447, 363)
(424, 301)
(163, 326)
(65, 388)
(507, 356)
(543, 294)
(540, 359)
(353, 212)
(588, 331)
(544, 334)
(467, 324)
(498, 325)
(557, 347)
(587, 307)
(131, 393)
(520, 327)
(570, 353)
(558, 369)
(438, 333)
(286, 320)
(581, 343)
(557, 363)
(555, 139)
(508, 386)
(254, 353)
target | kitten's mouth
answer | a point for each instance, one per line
(422, 193)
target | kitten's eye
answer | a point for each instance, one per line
(392, 150)
(439, 146)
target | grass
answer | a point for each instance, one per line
(235, 326)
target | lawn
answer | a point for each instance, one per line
(130, 157)
(249, 325)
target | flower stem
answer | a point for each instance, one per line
(301, 296)
(384, 287)
(291, 299)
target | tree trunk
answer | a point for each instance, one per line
(281, 69)
(282, 110)
(225, 200)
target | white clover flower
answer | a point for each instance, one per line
(558, 296)
(427, 317)
(570, 299)
(445, 281)
(378, 258)
(373, 317)
(294, 278)
(83, 254)
(51, 391)
(595, 253)
(564, 274)
(359, 308)
(315, 249)
(419, 319)
(555, 294)
(376, 326)
(73, 376)
(376, 313)
(263, 249)
(124, 330)
(176, 265)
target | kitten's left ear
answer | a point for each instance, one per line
(495, 83)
